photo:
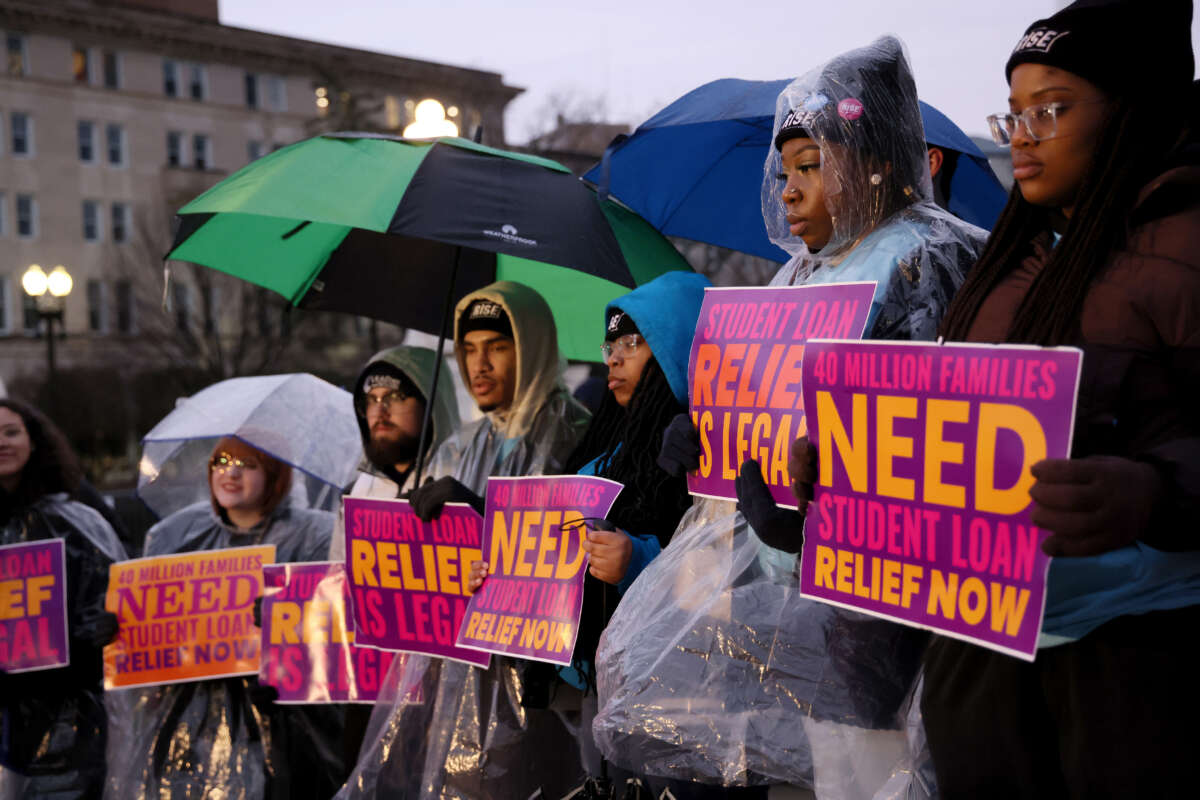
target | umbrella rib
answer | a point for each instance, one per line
(296, 229)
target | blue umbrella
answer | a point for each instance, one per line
(694, 169)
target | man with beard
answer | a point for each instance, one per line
(480, 734)
(389, 403)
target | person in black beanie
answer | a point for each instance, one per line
(1096, 249)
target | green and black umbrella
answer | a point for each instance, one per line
(399, 230)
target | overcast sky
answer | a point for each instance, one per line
(638, 55)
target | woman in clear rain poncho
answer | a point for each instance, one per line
(52, 722)
(713, 668)
(226, 737)
(478, 733)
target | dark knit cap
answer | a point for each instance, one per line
(381, 374)
(1119, 45)
(619, 324)
(485, 315)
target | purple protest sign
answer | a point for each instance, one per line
(921, 511)
(308, 651)
(33, 606)
(533, 532)
(408, 578)
(744, 375)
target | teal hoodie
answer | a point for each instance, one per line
(665, 311)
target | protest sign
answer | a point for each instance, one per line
(532, 536)
(744, 376)
(308, 651)
(185, 617)
(921, 511)
(408, 578)
(33, 606)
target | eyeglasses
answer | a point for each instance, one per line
(1040, 121)
(624, 346)
(224, 462)
(384, 401)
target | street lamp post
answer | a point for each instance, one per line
(49, 293)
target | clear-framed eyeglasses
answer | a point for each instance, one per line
(1040, 122)
(624, 346)
(387, 401)
(223, 462)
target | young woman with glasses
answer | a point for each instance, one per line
(1097, 249)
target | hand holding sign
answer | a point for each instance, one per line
(680, 451)
(1093, 505)
(609, 551)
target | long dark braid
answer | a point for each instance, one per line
(1131, 149)
(627, 442)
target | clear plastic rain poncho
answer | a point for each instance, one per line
(52, 722)
(713, 668)
(472, 736)
(296, 418)
(225, 737)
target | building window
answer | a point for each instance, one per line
(196, 82)
(4, 297)
(201, 152)
(91, 221)
(251, 90)
(170, 79)
(30, 316)
(112, 70)
(26, 216)
(22, 134)
(181, 297)
(276, 93)
(97, 318)
(254, 149)
(81, 64)
(174, 148)
(87, 143)
(120, 223)
(18, 59)
(125, 321)
(114, 136)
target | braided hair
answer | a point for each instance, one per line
(627, 440)
(1129, 153)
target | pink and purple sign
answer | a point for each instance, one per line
(408, 578)
(308, 650)
(530, 602)
(921, 510)
(33, 606)
(744, 376)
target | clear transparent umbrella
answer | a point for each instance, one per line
(299, 419)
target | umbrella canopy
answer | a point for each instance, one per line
(299, 419)
(694, 169)
(375, 225)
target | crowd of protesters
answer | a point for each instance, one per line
(666, 695)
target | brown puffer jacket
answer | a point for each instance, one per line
(1139, 395)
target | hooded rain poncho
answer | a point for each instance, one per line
(713, 668)
(471, 737)
(222, 738)
(52, 722)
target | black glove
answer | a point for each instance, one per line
(1093, 505)
(680, 451)
(258, 611)
(802, 466)
(96, 628)
(428, 500)
(780, 528)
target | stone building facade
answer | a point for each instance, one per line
(113, 113)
